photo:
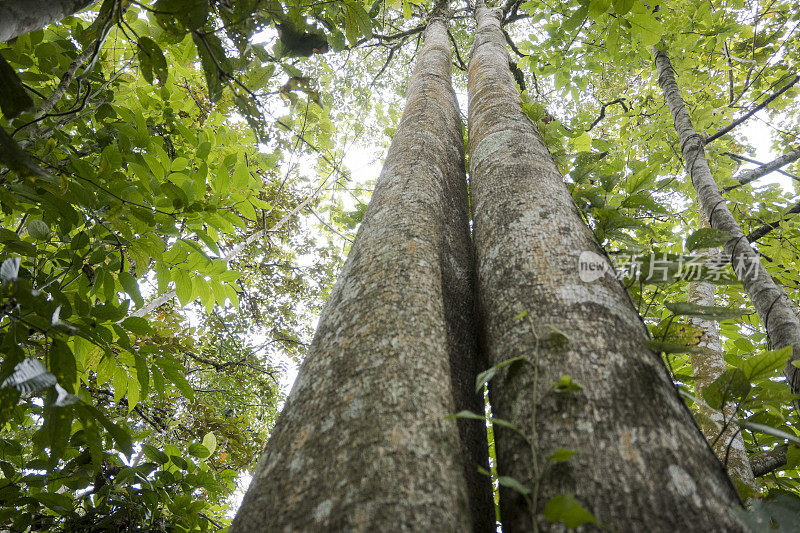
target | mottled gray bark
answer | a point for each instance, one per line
(767, 462)
(21, 16)
(769, 299)
(362, 443)
(642, 464)
(766, 168)
(719, 428)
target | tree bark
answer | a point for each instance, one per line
(362, 443)
(767, 462)
(642, 464)
(725, 436)
(766, 168)
(769, 299)
(22, 16)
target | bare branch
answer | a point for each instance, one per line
(766, 168)
(750, 113)
(601, 116)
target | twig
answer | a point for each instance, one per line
(462, 66)
(601, 116)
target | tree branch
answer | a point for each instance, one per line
(766, 228)
(620, 101)
(766, 168)
(756, 162)
(750, 113)
(767, 462)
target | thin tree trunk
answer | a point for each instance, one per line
(707, 366)
(641, 462)
(362, 443)
(769, 299)
(21, 16)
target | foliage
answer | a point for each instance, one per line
(135, 179)
(197, 147)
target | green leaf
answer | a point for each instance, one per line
(583, 142)
(199, 451)
(565, 384)
(38, 229)
(562, 454)
(763, 364)
(362, 17)
(669, 347)
(136, 325)
(131, 287)
(488, 374)
(152, 61)
(210, 442)
(622, 6)
(565, 508)
(142, 373)
(707, 238)
(132, 392)
(501, 422)
(212, 59)
(62, 364)
(241, 177)
(576, 19)
(175, 372)
(648, 28)
(57, 426)
(793, 457)
(730, 386)
(120, 382)
(183, 286)
(14, 99)
(60, 503)
(707, 312)
(510, 482)
(9, 396)
(597, 8)
(181, 16)
(154, 454)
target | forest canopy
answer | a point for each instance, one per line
(181, 181)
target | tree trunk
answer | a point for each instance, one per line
(769, 299)
(718, 428)
(641, 462)
(362, 443)
(21, 16)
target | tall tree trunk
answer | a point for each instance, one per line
(641, 462)
(769, 299)
(21, 16)
(707, 366)
(362, 443)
